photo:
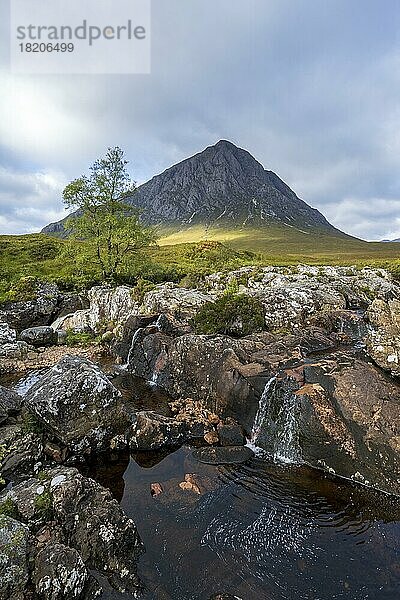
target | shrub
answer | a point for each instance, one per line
(44, 506)
(141, 288)
(234, 315)
(23, 290)
(79, 338)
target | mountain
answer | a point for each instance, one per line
(396, 240)
(222, 185)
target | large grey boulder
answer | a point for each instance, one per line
(14, 559)
(81, 515)
(340, 414)
(39, 336)
(78, 405)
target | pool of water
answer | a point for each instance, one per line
(257, 531)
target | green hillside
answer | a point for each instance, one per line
(193, 251)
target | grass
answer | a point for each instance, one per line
(190, 253)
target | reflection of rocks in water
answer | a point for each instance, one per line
(149, 459)
(143, 396)
(109, 472)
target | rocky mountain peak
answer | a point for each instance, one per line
(222, 185)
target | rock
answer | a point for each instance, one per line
(223, 456)
(14, 559)
(94, 524)
(344, 418)
(230, 433)
(108, 337)
(383, 341)
(171, 326)
(39, 336)
(84, 517)
(55, 452)
(10, 403)
(7, 334)
(61, 337)
(211, 437)
(130, 327)
(156, 489)
(15, 351)
(41, 310)
(78, 405)
(106, 305)
(152, 431)
(190, 484)
(61, 574)
(168, 298)
(23, 450)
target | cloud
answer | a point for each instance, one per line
(309, 88)
(27, 200)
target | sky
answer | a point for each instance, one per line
(311, 88)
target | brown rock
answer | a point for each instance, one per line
(211, 437)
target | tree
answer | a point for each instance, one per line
(108, 229)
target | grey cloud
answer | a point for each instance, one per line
(309, 88)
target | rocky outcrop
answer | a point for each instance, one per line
(40, 310)
(340, 414)
(78, 405)
(23, 449)
(7, 334)
(383, 341)
(80, 527)
(106, 306)
(39, 336)
(169, 298)
(61, 574)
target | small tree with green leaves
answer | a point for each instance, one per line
(106, 230)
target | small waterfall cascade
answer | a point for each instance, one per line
(131, 349)
(286, 445)
(276, 418)
(261, 413)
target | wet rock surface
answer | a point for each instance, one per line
(77, 403)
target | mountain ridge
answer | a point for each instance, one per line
(221, 185)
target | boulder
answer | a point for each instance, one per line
(106, 305)
(152, 431)
(39, 336)
(230, 433)
(342, 415)
(383, 341)
(7, 334)
(10, 403)
(23, 449)
(84, 517)
(14, 559)
(131, 326)
(40, 310)
(15, 351)
(78, 405)
(174, 300)
(61, 574)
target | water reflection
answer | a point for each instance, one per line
(261, 531)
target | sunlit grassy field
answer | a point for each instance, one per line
(193, 251)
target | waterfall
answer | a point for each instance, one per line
(286, 446)
(133, 342)
(263, 406)
(278, 423)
